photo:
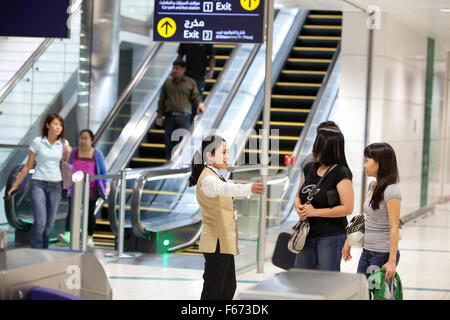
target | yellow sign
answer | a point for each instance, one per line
(166, 27)
(249, 5)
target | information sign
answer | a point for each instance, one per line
(209, 21)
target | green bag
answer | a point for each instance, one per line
(391, 289)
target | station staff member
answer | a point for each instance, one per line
(219, 238)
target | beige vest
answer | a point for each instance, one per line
(218, 221)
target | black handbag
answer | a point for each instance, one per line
(282, 257)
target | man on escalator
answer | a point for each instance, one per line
(199, 56)
(177, 95)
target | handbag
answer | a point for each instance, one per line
(355, 230)
(282, 257)
(390, 289)
(301, 228)
(66, 170)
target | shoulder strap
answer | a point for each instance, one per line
(313, 190)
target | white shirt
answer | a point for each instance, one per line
(212, 187)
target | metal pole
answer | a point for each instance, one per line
(368, 102)
(77, 179)
(86, 190)
(122, 212)
(265, 137)
(120, 240)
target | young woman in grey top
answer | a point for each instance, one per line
(382, 208)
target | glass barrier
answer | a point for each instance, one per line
(142, 96)
(32, 94)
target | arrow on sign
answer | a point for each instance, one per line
(167, 25)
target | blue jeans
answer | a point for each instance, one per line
(171, 123)
(45, 198)
(373, 260)
(321, 253)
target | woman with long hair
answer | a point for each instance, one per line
(86, 158)
(219, 237)
(331, 203)
(46, 183)
(382, 209)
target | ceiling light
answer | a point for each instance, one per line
(445, 10)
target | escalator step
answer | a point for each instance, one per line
(290, 110)
(284, 123)
(159, 160)
(309, 60)
(153, 145)
(313, 49)
(320, 38)
(312, 26)
(303, 72)
(299, 84)
(282, 96)
(325, 16)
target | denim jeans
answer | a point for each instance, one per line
(171, 123)
(321, 253)
(45, 198)
(372, 260)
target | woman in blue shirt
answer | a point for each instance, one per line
(46, 183)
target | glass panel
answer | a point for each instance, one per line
(248, 221)
(142, 96)
(38, 88)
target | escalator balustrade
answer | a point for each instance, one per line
(297, 86)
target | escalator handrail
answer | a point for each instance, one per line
(9, 86)
(126, 93)
(31, 60)
(138, 228)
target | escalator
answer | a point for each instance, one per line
(151, 151)
(164, 213)
(138, 104)
(296, 88)
(303, 95)
(161, 211)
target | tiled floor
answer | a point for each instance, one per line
(423, 267)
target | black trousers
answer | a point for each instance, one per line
(219, 276)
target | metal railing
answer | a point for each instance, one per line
(80, 208)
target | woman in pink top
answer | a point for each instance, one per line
(87, 159)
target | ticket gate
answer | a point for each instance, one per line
(72, 273)
(302, 284)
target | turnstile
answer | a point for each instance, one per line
(302, 284)
(76, 273)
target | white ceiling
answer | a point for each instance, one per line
(423, 15)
